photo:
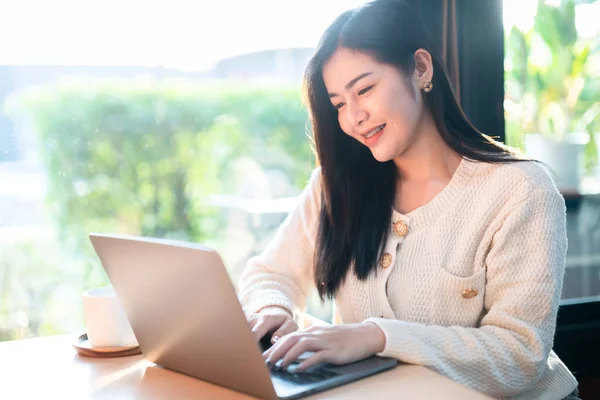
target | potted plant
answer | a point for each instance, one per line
(550, 93)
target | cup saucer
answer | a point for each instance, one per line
(84, 347)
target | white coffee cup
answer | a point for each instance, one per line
(105, 320)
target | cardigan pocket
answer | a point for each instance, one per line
(458, 300)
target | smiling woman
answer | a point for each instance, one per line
(378, 76)
(382, 95)
(439, 246)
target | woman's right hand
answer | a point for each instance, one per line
(272, 319)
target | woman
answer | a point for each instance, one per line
(440, 246)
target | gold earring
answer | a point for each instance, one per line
(427, 87)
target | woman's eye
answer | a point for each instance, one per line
(365, 90)
(338, 106)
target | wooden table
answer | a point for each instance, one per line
(48, 368)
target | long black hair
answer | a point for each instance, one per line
(358, 190)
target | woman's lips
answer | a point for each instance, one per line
(370, 142)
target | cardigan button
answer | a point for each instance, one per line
(400, 228)
(469, 293)
(386, 260)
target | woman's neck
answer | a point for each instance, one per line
(429, 158)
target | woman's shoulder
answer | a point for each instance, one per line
(510, 185)
(523, 177)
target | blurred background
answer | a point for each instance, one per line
(184, 120)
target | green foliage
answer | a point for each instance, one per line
(39, 287)
(142, 157)
(550, 86)
(135, 157)
(556, 25)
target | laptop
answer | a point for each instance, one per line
(186, 316)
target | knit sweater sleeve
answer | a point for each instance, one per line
(507, 354)
(282, 274)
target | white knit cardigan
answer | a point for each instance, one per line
(467, 285)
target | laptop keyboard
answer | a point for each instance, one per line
(312, 375)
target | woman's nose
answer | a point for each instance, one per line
(356, 115)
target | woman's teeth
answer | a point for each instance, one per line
(374, 131)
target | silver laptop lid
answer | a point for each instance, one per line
(184, 310)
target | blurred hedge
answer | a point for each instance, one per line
(142, 156)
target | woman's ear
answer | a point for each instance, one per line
(423, 67)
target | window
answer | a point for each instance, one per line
(175, 121)
(552, 111)
(168, 119)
